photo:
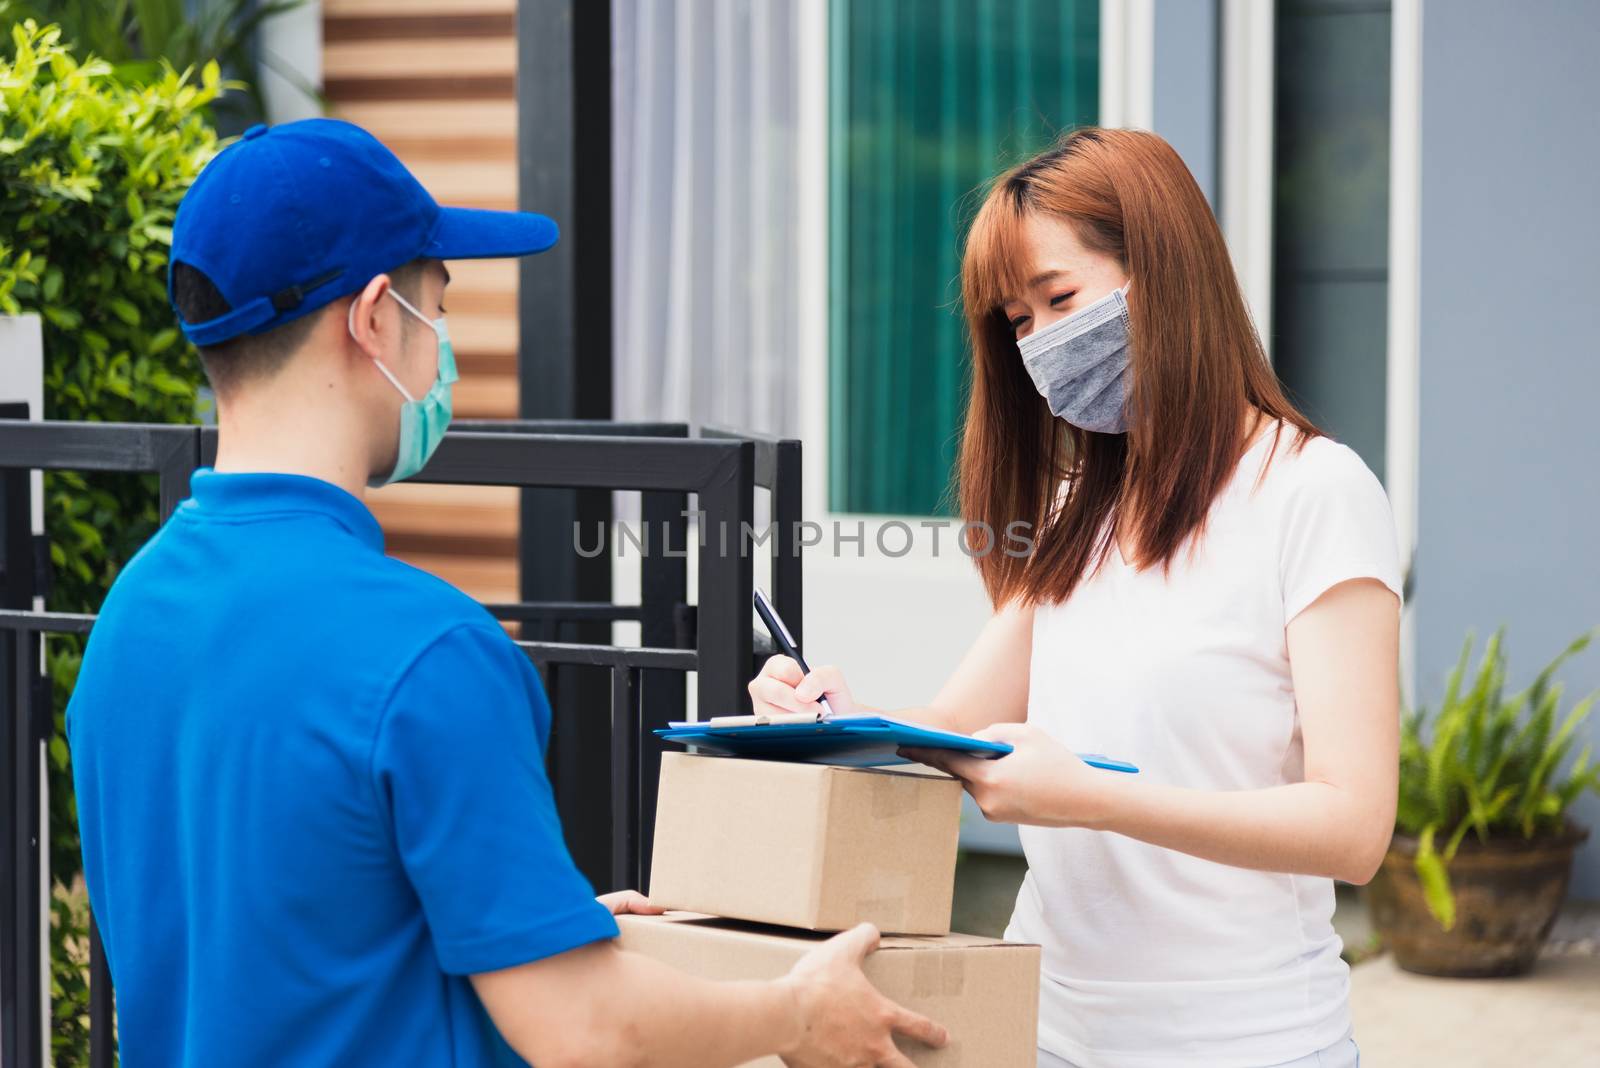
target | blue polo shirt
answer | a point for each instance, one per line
(311, 793)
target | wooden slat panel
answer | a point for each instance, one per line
(463, 301)
(389, 8)
(484, 578)
(459, 542)
(486, 396)
(419, 509)
(433, 145)
(419, 59)
(450, 87)
(480, 334)
(434, 80)
(389, 119)
(484, 276)
(476, 364)
(365, 27)
(452, 180)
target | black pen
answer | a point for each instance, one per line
(784, 640)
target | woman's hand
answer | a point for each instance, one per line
(783, 687)
(1040, 782)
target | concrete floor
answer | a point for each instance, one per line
(1550, 1017)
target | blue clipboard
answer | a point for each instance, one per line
(852, 741)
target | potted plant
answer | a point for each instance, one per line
(1482, 850)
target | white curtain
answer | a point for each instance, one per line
(704, 133)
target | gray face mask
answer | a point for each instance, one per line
(1080, 364)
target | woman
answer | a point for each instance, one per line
(1212, 592)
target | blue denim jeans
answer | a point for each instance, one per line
(1342, 1054)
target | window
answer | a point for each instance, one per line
(1331, 216)
(929, 99)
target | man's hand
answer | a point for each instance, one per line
(844, 1021)
(599, 1004)
(629, 901)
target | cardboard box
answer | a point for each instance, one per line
(984, 991)
(806, 845)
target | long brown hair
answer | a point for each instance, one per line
(1195, 360)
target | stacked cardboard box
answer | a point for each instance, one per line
(771, 857)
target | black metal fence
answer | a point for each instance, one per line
(712, 637)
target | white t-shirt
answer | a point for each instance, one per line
(1153, 957)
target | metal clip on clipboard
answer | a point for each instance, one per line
(764, 720)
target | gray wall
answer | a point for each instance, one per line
(1186, 79)
(1509, 470)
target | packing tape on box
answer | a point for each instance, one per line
(937, 974)
(888, 913)
(884, 899)
(894, 795)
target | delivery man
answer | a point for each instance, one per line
(316, 826)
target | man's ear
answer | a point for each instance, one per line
(444, 279)
(366, 325)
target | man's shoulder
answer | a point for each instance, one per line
(432, 604)
(415, 613)
(339, 572)
(147, 566)
(340, 593)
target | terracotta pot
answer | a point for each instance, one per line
(1507, 891)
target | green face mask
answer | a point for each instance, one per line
(422, 422)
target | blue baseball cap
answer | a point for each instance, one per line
(290, 218)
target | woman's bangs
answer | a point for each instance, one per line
(998, 260)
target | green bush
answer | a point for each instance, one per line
(91, 172)
(1489, 764)
(137, 38)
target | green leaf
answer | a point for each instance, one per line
(124, 310)
(1578, 780)
(1488, 763)
(1452, 686)
(65, 318)
(1536, 690)
(1551, 756)
(1435, 882)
